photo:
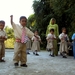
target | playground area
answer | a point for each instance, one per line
(39, 65)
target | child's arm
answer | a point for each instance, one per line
(60, 37)
(48, 37)
(29, 33)
(73, 37)
(32, 38)
(11, 19)
(54, 38)
(68, 39)
(40, 40)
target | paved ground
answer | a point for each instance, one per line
(39, 65)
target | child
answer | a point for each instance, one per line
(73, 38)
(36, 43)
(3, 37)
(20, 32)
(28, 44)
(50, 42)
(63, 45)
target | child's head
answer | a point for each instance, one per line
(23, 21)
(52, 31)
(63, 30)
(36, 32)
(2, 24)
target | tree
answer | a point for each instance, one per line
(65, 14)
(9, 43)
(62, 10)
(9, 32)
(43, 13)
(31, 23)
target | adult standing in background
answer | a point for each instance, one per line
(53, 25)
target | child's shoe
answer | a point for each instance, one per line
(37, 54)
(52, 55)
(28, 53)
(23, 65)
(2, 60)
(64, 56)
(16, 64)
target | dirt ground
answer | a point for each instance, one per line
(39, 65)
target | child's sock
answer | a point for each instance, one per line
(36, 52)
(52, 53)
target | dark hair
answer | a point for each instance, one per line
(63, 28)
(35, 30)
(3, 22)
(23, 17)
(51, 30)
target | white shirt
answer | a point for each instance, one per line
(3, 33)
(50, 36)
(18, 31)
(63, 36)
(35, 39)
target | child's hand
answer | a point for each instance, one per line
(11, 20)
(11, 16)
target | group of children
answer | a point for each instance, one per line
(23, 35)
(64, 41)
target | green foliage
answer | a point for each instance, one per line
(9, 43)
(65, 14)
(62, 10)
(10, 32)
(31, 23)
(43, 13)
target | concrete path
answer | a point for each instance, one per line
(39, 65)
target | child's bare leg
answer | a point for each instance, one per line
(36, 52)
(52, 52)
(27, 51)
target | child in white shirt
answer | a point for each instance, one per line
(36, 43)
(63, 44)
(50, 42)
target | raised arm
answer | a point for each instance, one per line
(12, 23)
(11, 19)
